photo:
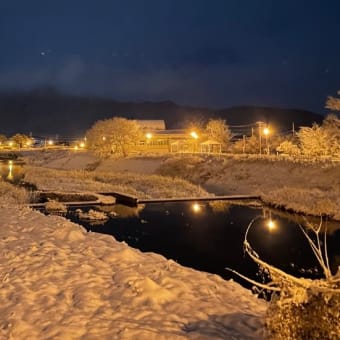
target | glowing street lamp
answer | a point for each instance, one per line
(148, 135)
(194, 135)
(82, 145)
(266, 132)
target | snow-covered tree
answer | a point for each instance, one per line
(247, 145)
(333, 103)
(3, 139)
(314, 141)
(218, 130)
(289, 148)
(20, 140)
(331, 125)
(114, 136)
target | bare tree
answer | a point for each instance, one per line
(300, 308)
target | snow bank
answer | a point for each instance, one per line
(86, 160)
(57, 281)
(297, 186)
(139, 185)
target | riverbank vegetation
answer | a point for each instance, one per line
(10, 194)
(302, 308)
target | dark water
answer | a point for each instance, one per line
(211, 238)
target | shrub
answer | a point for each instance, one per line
(301, 308)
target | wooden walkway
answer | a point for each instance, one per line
(194, 199)
(133, 201)
(68, 204)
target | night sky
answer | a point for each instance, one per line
(216, 53)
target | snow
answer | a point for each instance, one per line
(58, 281)
(76, 160)
(310, 188)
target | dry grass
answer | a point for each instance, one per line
(10, 194)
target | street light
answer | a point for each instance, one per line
(260, 135)
(266, 132)
(194, 135)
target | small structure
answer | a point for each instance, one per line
(211, 146)
(179, 146)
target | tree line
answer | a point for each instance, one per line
(119, 136)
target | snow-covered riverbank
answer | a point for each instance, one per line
(57, 281)
(310, 188)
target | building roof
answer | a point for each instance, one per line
(151, 124)
(210, 142)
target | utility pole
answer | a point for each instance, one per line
(293, 129)
(244, 144)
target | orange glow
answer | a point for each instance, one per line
(193, 134)
(271, 224)
(196, 207)
(10, 169)
(266, 131)
(148, 135)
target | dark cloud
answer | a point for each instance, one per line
(217, 54)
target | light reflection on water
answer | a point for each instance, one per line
(11, 171)
(209, 236)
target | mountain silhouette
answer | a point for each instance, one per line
(46, 111)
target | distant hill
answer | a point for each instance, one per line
(47, 111)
